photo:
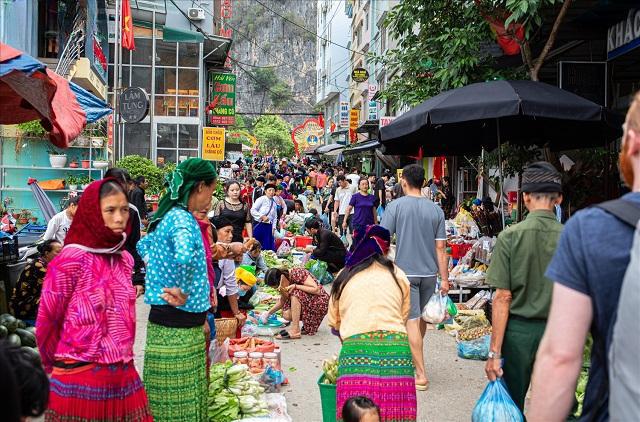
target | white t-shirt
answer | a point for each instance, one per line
(344, 196)
(355, 179)
(58, 227)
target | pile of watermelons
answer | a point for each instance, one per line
(16, 333)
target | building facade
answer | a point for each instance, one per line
(171, 61)
(333, 66)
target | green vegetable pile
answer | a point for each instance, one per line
(330, 370)
(234, 394)
(18, 334)
(294, 227)
(272, 260)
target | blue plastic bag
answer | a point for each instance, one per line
(477, 349)
(495, 405)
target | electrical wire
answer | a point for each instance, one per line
(306, 29)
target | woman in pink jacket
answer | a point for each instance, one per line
(86, 320)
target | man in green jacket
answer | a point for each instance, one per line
(523, 294)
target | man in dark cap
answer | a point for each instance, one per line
(523, 294)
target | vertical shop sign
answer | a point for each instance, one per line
(354, 119)
(213, 143)
(110, 130)
(226, 13)
(344, 113)
(222, 99)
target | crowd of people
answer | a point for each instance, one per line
(197, 256)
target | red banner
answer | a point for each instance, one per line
(127, 26)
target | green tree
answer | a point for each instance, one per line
(446, 44)
(273, 134)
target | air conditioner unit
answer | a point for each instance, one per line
(196, 14)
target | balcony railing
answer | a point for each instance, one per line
(73, 49)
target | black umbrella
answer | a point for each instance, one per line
(481, 115)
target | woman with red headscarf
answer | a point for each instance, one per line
(86, 319)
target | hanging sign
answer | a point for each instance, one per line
(386, 120)
(359, 74)
(344, 113)
(624, 36)
(221, 109)
(134, 104)
(110, 130)
(354, 119)
(213, 143)
(373, 110)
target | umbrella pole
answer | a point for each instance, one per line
(501, 204)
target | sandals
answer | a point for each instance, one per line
(422, 387)
(285, 335)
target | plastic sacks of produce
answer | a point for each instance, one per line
(435, 311)
(496, 405)
(320, 271)
(477, 349)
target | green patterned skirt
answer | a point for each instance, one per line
(378, 365)
(174, 373)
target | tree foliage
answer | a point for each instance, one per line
(446, 44)
(267, 83)
(273, 134)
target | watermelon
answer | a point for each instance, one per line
(3, 331)
(14, 340)
(9, 321)
(26, 338)
(32, 353)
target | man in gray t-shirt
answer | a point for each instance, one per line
(421, 238)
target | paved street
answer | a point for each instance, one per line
(456, 383)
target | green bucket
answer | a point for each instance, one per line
(328, 400)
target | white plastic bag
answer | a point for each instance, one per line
(221, 352)
(435, 311)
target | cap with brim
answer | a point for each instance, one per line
(269, 186)
(246, 277)
(541, 177)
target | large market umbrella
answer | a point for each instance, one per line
(45, 204)
(466, 120)
(31, 91)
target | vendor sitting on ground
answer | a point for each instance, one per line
(226, 284)
(254, 258)
(327, 246)
(302, 299)
(246, 280)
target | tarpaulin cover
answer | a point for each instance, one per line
(30, 91)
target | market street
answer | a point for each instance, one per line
(455, 386)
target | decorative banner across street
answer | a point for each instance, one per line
(213, 143)
(221, 109)
(307, 135)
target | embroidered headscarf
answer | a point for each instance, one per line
(375, 240)
(179, 184)
(87, 227)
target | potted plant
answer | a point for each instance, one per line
(72, 182)
(57, 159)
(74, 163)
(86, 163)
(24, 216)
(99, 162)
(84, 181)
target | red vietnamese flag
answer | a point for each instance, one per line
(321, 121)
(127, 26)
(332, 126)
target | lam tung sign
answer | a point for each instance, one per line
(134, 104)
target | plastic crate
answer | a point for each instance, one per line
(327, 400)
(9, 249)
(303, 241)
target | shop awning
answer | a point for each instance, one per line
(216, 49)
(337, 133)
(369, 126)
(362, 147)
(328, 148)
(181, 35)
(311, 150)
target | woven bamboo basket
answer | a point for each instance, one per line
(225, 327)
